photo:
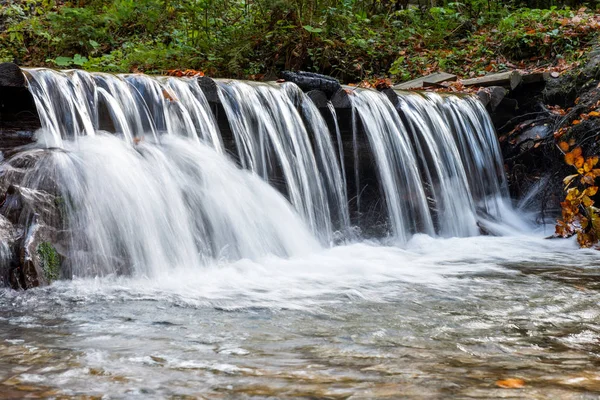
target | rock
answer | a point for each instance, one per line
(308, 81)
(209, 88)
(8, 237)
(32, 222)
(341, 99)
(40, 261)
(318, 97)
(11, 75)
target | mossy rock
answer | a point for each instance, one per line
(49, 261)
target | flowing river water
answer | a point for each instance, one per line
(193, 277)
(439, 318)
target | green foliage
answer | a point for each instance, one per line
(49, 261)
(349, 39)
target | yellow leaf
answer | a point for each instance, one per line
(590, 163)
(591, 191)
(594, 114)
(587, 201)
(567, 181)
(511, 383)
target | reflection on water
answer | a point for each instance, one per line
(440, 318)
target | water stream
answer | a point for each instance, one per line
(213, 263)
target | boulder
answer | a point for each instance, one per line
(32, 225)
(11, 75)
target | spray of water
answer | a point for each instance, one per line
(160, 192)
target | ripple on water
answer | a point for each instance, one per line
(440, 318)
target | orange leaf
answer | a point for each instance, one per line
(579, 162)
(590, 163)
(576, 122)
(511, 383)
(564, 146)
(570, 158)
(594, 114)
(167, 95)
(577, 151)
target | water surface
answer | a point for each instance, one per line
(434, 319)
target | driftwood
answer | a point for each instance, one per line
(426, 81)
(510, 79)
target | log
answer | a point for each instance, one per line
(535, 77)
(510, 79)
(426, 81)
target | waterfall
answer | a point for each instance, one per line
(271, 129)
(151, 177)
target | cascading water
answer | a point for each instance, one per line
(160, 192)
(272, 139)
(137, 176)
(438, 161)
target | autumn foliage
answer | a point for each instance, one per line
(579, 216)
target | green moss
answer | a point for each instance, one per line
(49, 260)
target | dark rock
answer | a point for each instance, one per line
(32, 222)
(8, 259)
(11, 75)
(18, 114)
(209, 88)
(392, 96)
(318, 98)
(341, 99)
(308, 81)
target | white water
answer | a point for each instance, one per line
(194, 277)
(160, 193)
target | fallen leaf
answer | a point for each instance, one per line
(511, 383)
(564, 146)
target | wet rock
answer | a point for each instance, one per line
(39, 258)
(18, 115)
(8, 237)
(32, 223)
(11, 75)
(308, 81)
